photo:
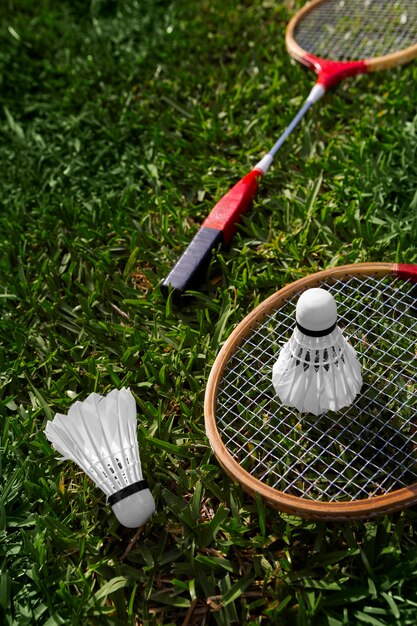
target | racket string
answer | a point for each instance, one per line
(318, 451)
(361, 451)
(358, 29)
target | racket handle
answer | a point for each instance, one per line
(190, 269)
(217, 229)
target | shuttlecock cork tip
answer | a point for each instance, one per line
(135, 510)
(316, 311)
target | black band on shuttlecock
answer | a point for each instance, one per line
(316, 333)
(140, 485)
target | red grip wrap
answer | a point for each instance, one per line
(226, 213)
(406, 272)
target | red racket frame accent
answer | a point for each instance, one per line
(329, 73)
(406, 271)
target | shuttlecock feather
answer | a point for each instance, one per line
(99, 434)
(317, 369)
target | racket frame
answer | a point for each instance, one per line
(330, 72)
(357, 509)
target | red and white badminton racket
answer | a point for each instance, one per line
(355, 463)
(337, 39)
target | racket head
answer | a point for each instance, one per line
(270, 450)
(346, 37)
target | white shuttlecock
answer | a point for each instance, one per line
(317, 369)
(99, 434)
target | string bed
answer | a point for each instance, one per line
(346, 30)
(365, 450)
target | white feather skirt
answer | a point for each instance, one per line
(99, 434)
(317, 374)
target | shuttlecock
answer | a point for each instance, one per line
(99, 434)
(317, 369)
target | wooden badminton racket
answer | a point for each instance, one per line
(356, 463)
(336, 39)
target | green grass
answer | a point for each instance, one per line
(121, 123)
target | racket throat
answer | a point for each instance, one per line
(329, 73)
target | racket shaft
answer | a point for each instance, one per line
(291, 126)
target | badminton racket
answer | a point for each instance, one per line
(356, 463)
(336, 39)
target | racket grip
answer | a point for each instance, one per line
(218, 229)
(191, 268)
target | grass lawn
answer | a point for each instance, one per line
(121, 123)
